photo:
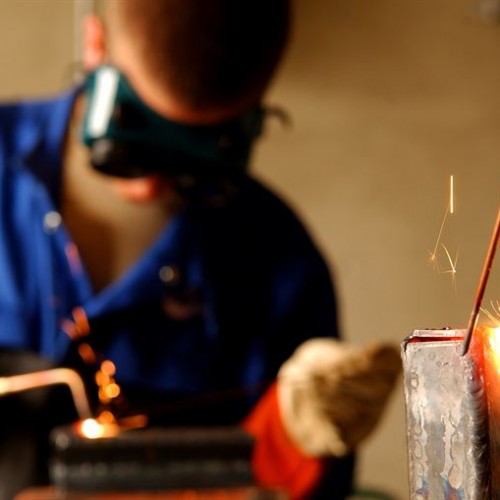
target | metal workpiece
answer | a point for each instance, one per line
(447, 416)
(152, 459)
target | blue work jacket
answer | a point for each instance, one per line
(253, 280)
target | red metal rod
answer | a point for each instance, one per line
(482, 285)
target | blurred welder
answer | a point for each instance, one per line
(129, 223)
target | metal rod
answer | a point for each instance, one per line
(482, 285)
(44, 378)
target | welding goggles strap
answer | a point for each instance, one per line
(128, 139)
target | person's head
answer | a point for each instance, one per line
(192, 60)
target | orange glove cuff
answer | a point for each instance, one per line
(277, 462)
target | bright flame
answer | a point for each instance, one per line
(494, 340)
(92, 429)
(105, 425)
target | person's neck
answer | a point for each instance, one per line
(111, 233)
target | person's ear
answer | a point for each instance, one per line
(94, 42)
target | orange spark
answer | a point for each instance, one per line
(452, 196)
(450, 209)
(105, 425)
(108, 367)
(453, 263)
(494, 314)
(87, 353)
(108, 389)
(112, 391)
(433, 254)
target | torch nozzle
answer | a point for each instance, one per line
(44, 378)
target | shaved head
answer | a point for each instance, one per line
(208, 53)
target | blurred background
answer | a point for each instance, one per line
(387, 99)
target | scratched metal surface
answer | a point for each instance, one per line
(446, 414)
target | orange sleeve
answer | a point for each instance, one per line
(277, 462)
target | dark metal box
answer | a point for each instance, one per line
(152, 458)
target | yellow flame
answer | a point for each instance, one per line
(105, 425)
(92, 429)
(494, 341)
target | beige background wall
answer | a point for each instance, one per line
(36, 50)
(388, 98)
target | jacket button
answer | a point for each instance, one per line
(170, 275)
(51, 221)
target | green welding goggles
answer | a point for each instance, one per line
(128, 139)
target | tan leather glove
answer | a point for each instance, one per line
(331, 394)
